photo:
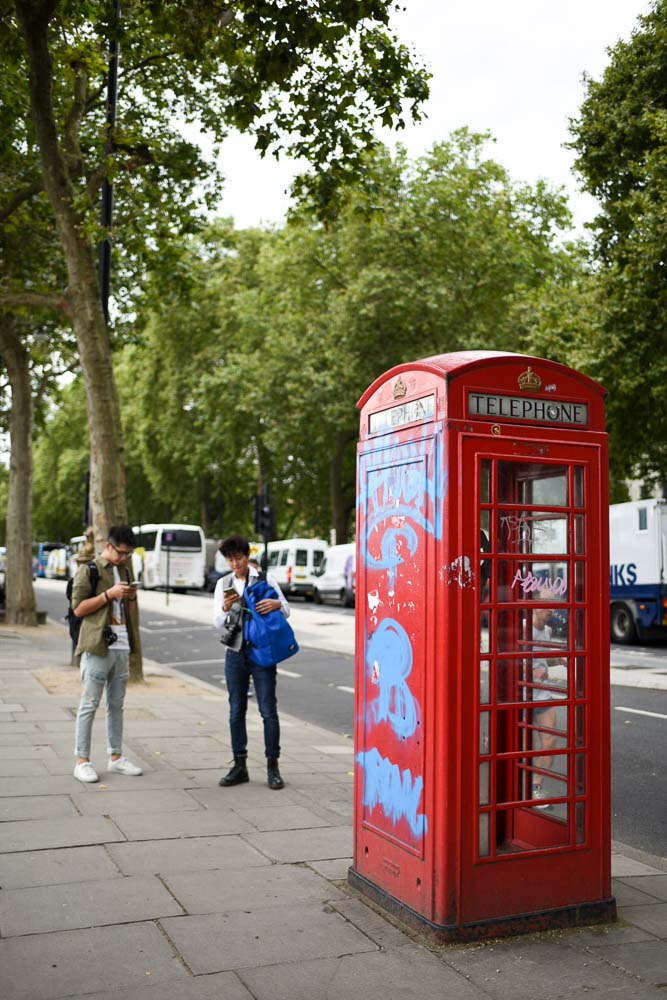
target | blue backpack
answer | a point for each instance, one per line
(270, 637)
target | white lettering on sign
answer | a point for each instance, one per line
(542, 411)
(405, 413)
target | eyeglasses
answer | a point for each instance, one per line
(123, 553)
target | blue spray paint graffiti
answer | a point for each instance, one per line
(390, 550)
(389, 660)
(396, 792)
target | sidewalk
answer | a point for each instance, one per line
(167, 887)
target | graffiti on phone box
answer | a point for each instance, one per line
(547, 587)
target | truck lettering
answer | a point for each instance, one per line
(622, 574)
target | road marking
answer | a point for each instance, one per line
(639, 711)
(288, 673)
(188, 663)
(167, 627)
(341, 687)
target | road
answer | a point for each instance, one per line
(316, 686)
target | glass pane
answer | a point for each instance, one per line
(532, 483)
(484, 625)
(533, 630)
(580, 774)
(484, 734)
(579, 535)
(527, 779)
(578, 483)
(579, 726)
(485, 485)
(579, 581)
(529, 581)
(579, 629)
(580, 822)
(547, 828)
(531, 532)
(580, 676)
(484, 783)
(524, 679)
(484, 835)
(484, 691)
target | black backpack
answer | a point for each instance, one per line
(74, 623)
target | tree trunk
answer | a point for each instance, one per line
(340, 503)
(107, 486)
(19, 591)
(108, 503)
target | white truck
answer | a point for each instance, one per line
(638, 570)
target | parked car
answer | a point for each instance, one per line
(293, 562)
(335, 576)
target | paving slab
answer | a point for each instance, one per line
(335, 870)
(35, 834)
(169, 826)
(380, 930)
(621, 866)
(238, 940)
(241, 796)
(105, 800)
(285, 817)
(538, 966)
(36, 807)
(630, 895)
(304, 845)
(48, 785)
(653, 885)
(646, 959)
(221, 986)
(85, 904)
(652, 918)
(194, 854)
(75, 963)
(22, 768)
(250, 889)
(68, 864)
(407, 973)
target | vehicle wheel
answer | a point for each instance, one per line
(317, 597)
(623, 629)
(349, 602)
(309, 598)
(342, 598)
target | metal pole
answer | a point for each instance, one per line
(106, 209)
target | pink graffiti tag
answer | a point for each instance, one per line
(530, 583)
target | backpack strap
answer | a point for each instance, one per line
(93, 576)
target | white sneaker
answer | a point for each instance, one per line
(84, 771)
(124, 766)
(539, 794)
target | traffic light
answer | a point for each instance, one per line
(264, 518)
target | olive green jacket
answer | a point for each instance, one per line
(90, 636)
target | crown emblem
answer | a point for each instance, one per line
(528, 380)
(400, 388)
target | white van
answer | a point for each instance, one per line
(293, 562)
(335, 579)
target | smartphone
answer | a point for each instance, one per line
(132, 584)
(230, 592)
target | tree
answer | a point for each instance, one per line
(322, 72)
(620, 138)
(287, 328)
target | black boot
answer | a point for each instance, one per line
(273, 775)
(237, 775)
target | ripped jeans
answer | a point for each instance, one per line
(97, 672)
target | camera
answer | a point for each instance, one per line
(230, 630)
(109, 635)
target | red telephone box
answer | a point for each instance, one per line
(482, 673)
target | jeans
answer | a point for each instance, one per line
(238, 670)
(112, 671)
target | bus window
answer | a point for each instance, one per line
(302, 557)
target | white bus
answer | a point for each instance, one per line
(181, 548)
